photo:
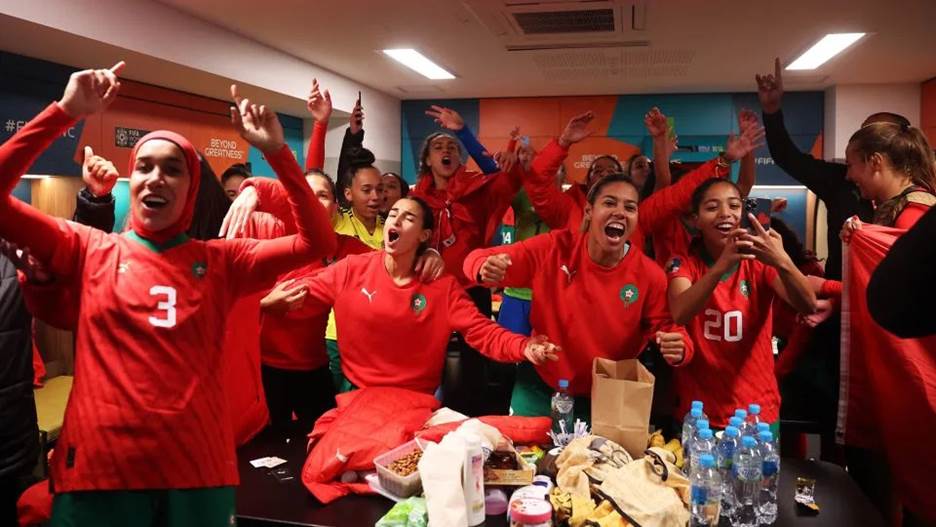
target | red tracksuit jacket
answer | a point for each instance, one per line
(393, 335)
(147, 409)
(589, 310)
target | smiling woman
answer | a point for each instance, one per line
(597, 271)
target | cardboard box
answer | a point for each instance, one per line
(512, 478)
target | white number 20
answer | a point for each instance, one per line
(713, 326)
(168, 306)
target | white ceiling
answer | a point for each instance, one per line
(694, 45)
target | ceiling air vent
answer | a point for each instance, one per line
(577, 21)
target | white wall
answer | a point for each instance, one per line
(157, 30)
(847, 106)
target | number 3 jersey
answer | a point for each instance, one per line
(147, 409)
(733, 364)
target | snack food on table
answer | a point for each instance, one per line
(407, 464)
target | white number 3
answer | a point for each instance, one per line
(168, 306)
(731, 318)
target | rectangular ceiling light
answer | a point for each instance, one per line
(830, 46)
(417, 62)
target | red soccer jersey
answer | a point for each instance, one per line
(392, 335)
(148, 409)
(292, 344)
(589, 310)
(733, 364)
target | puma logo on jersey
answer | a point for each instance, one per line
(123, 267)
(565, 269)
(369, 295)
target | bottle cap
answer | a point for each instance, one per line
(766, 437)
(705, 433)
(753, 409)
(707, 460)
(741, 412)
(702, 424)
(732, 431)
(528, 510)
(697, 404)
(696, 412)
(763, 427)
(563, 383)
(736, 422)
(473, 442)
(748, 441)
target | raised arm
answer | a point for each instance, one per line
(53, 243)
(553, 205)
(319, 105)
(315, 239)
(663, 147)
(747, 175)
(791, 285)
(353, 138)
(819, 176)
(675, 199)
(451, 120)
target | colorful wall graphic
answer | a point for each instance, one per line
(30, 85)
(702, 122)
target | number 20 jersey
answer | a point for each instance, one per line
(147, 409)
(733, 364)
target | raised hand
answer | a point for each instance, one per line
(539, 349)
(576, 130)
(494, 269)
(736, 249)
(99, 174)
(446, 117)
(672, 346)
(286, 296)
(505, 160)
(319, 103)
(430, 266)
(750, 139)
(770, 89)
(258, 125)
(357, 118)
(515, 133)
(34, 271)
(239, 213)
(766, 246)
(747, 119)
(655, 122)
(90, 91)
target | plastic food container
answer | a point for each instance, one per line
(530, 512)
(401, 486)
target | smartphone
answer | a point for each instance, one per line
(359, 97)
(760, 208)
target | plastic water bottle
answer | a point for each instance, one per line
(689, 424)
(736, 422)
(706, 493)
(700, 424)
(742, 414)
(747, 468)
(703, 444)
(753, 418)
(725, 449)
(563, 406)
(770, 471)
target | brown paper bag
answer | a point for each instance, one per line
(622, 394)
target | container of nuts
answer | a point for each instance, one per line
(398, 471)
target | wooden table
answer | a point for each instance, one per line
(262, 500)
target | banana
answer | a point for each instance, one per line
(675, 447)
(656, 439)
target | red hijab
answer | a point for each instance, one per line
(194, 168)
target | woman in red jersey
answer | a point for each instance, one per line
(594, 294)
(416, 319)
(723, 290)
(147, 436)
